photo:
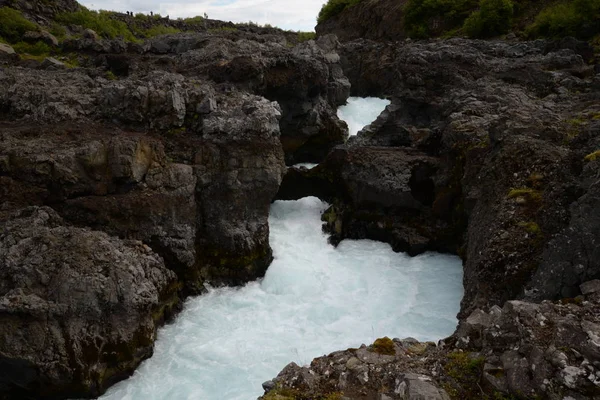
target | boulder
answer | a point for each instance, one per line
(78, 309)
(41, 36)
(7, 53)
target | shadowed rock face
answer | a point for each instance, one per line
(369, 19)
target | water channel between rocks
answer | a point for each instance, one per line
(314, 299)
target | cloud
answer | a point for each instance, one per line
(286, 14)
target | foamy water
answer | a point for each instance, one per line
(361, 111)
(315, 299)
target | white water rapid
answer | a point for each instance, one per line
(359, 112)
(314, 299)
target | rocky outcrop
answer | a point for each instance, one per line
(182, 168)
(369, 19)
(78, 309)
(501, 171)
(523, 350)
(306, 80)
(215, 153)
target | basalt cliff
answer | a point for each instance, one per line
(135, 172)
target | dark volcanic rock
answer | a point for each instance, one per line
(78, 309)
(185, 171)
(505, 152)
(523, 350)
(369, 19)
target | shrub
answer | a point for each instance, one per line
(159, 30)
(306, 36)
(100, 22)
(37, 49)
(577, 18)
(58, 30)
(450, 14)
(333, 8)
(13, 25)
(198, 20)
(493, 18)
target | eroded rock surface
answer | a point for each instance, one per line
(78, 308)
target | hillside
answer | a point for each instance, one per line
(418, 19)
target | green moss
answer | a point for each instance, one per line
(110, 76)
(529, 194)
(333, 8)
(281, 394)
(593, 156)
(13, 25)
(384, 345)
(531, 227)
(465, 371)
(176, 131)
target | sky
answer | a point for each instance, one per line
(287, 14)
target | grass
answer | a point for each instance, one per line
(306, 36)
(466, 372)
(58, 30)
(159, 30)
(593, 156)
(333, 8)
(37, 49)
(13, 25)
(99, 21)
(223, 29)
(198, 20)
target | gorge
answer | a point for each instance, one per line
(145, 181)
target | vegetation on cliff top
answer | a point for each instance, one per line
(488, 18)
(333, 8)
(13, 25)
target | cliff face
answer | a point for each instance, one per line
(134, 179)
(369, 19)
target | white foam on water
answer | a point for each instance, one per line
(314, 299)
(305, 165)
(361, 111)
